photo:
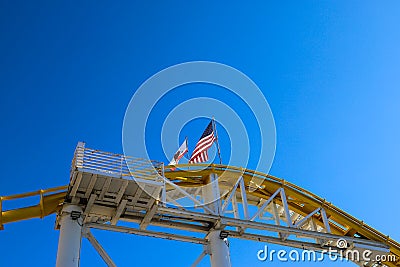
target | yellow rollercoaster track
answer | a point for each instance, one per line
(51, 200)
(299, 200)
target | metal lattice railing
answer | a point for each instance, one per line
(116, 164)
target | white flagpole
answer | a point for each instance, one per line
(216, 140)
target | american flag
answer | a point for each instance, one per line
(200, 153)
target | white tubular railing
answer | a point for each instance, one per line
(115, 164)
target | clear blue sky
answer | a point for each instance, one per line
(330, 72)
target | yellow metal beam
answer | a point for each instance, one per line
(51, 201)
(1, 214)
(311, 201)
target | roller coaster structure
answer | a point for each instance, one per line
(216, 202)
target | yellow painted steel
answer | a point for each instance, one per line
(299, 200)
(51, 201)
(188, 175)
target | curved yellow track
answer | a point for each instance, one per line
(299, 200)
(50, 201)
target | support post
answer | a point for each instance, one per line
(69, 243)
(218, 247)
(219, 250)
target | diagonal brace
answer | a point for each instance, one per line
(107, 259)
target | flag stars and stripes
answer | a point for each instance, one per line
(200, 153)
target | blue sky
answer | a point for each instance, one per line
(330, 72)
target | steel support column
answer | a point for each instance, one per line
(219, 250)
(218, 247)
(69, 243)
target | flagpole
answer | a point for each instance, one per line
(216, 139)
(187, 146)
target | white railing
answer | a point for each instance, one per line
(115, 164)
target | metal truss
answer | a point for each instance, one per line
(203, 202)
(207, 203)
(232, 209)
